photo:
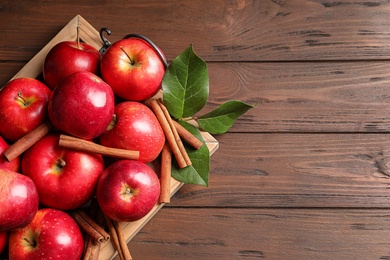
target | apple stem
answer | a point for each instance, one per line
(154, 46)
(31, 243)
(112, 123)
(131, 60)
(22, 99)
(128, 190)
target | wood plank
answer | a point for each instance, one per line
(295, 170)
(8, 70)
(219, 30)
(264, 234)
(305, 96)
(299, 96)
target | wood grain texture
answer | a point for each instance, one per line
(297, 97)
(238, 30)
(264, 234)
(304, 175)
(305, 96)
(295, 170)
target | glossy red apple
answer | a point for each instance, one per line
(52, 234)
(135, 128)
(23, 107)
(68, 57)
(128, 190)
(82, 105)
(18, 200)
(3, 241)
(133, 69)
(14, 165)
(65, 178)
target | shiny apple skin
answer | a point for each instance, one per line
(136, 128)
(139, 178)
(82, 105)
(17, 119)
(18, 200)
(68, 187)
(135, 81)
(13, 165)
(68, 57)
(55, 234)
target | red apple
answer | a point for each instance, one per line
(14, 165)
(3, 241)
(135, 128)
(133, 69)
(128, 190)
(18, 200)
(68, 57)
(52, 234)
(82, 105)
(65, 178)
(23, 107)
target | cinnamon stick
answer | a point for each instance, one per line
(114, 237)
(90, 226)
(91, 147)
(175, 133)
(188, 136)
(122, 241)
(165, 176)
(92, 249)
(27, 141)
(168, 133)
(118, 239)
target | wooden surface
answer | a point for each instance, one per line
(304, 175)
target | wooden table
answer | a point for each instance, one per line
(304, 175)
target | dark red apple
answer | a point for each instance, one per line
(128, 190)
(82, 105)
(3, 241)
(135, 128)
(68, 57)
(133, 69)
(13, 165)
(65, 178)
(52, 234)
(23, 107)
(18, 200)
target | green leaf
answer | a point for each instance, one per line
(186, 85)
(221, 119)
(198, 172)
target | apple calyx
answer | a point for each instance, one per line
(132, 62)
(60, 163)
(30, 243)
(128, 192)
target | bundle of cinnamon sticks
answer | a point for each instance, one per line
(96, 233)
(173, 133)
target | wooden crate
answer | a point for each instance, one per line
(90, 35)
